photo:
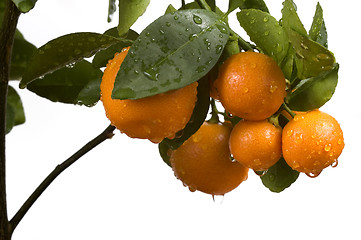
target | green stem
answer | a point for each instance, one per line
(243, 43)
(106, 134)
(8, 28)
(204, 4)
(214, 118)
(285, 107)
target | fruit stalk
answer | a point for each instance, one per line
(11, 16)
(106, 134)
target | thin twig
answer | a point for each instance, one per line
(107, 133)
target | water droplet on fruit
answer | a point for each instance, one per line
(328, 147)
(313, 174)
(218, 199)
(289, 132)
(245, 90)
(192, 189)
(334, 164)
(339, 142)
(260, 173)
(197, 19)
(299, 138)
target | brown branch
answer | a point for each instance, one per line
(107, 133)
(10, 21)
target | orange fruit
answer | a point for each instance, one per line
(203, 161)
(251, 85)
(256, 144)
(155, 117)
(311, 142)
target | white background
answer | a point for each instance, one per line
(123, 190)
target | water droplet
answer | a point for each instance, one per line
(193, 36)
(257, 162)
(176, 17)
(304, 46)
(323, 56)
(197, 19)
(299, 138)
(313, 174)
(136, 71)
(295, 165)
(265, 19)
(272, 88)
(221, 28)
(201, 69)
(260, 173)
(152, 74)
(339, 142)
(266, 33)
(289, 132)
(328, 147)
(245, 90)
(298, 117)
(299, 55)
(161, 31)
(334, 164)
(253, 21)
(192, 189)
(219, 49)
(147, 34)
(168, 24)
(218, 199)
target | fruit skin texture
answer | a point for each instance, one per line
(203, 161)
(251, 85)
(256, 144)
(155, 117)
(311, 142)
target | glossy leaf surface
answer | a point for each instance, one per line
(25, 6)
(279, 177)
(265, 31)
(318, 31)
(313, 92)
(65, 50)
(172, 52)
(129, 12)
(290, 18)
(250, 4)
(65, 84)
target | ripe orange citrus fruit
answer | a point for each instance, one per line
(256, 144)
(251, 85)
(153, 118)
(203, 161)
(311, 142)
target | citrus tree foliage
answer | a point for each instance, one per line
(182, 46)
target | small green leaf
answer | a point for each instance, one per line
(25, 6)
(21, 55)
(164, 151)
(318, 31)
(111, 10)
(170, 9)
(90, 94)
(129, 12)
(265, 31)
(66, 84)
(63, 51)
(290, 18)
(172, 52)
(249, 4)
(15, 112)
(311, 57)
(279, 177)
(313, 92)
(102, 57)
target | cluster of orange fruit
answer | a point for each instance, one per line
(216, 159)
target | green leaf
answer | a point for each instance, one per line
(90, 94)
(21, 55)
(15, 112)
(164, 151)
(63, 51)
(111, 9)
(313, 92)
(129, 12)
(170, 9)
(279, 177)
(66, 84)
(102, 57)
(249, 4)
(172, 52)
(311, 57)
(290, 18)
(318, 31)
(265, 31)
(25, 6)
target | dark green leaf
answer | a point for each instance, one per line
(250, 4)
(164, 151)
(102, 57)
(170, 9)
(129, 12)
(198, 117)
(172, 52)
(279, 177)
(111, 9)
(265, 31)
(311, 57)
(66, 84)
(22, 53)
(318, 31)
(212, 4)
(313, 92)
(90, 94)
(25, 6)
(290, 18)
(63, 51)
(15, 111)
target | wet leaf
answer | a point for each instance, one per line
(24, 6)
(172, 52)
(66, 84)
(102, 57)
(90, 94)
(313, 92)
(279, 177)
(15, 112)
(129, 12)
(311, 57)
(265, 31)
(21, 55)
(170, 9)
(250, 4)
(318, 31)
(65, 50)
(290, 18)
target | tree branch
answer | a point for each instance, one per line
(10, 21)
(107, 133)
